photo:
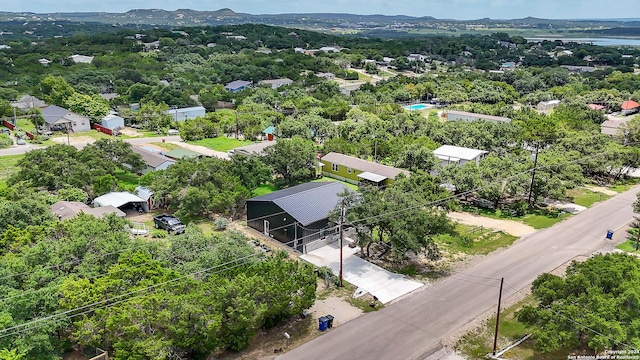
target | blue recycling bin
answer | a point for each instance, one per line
(323, 323)
(609, 234)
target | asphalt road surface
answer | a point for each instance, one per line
(413, 327)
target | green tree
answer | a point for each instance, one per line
(593, 305)
(293, 160)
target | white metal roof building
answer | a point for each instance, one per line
(120, 199)
(450, 154)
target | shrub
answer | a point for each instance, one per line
(158, 234)
(5, 141)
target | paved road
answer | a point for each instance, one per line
(21, 149)
(411, 328)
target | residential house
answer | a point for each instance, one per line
(449, 155)
(183, 114)
(180, 153)
(238, 85)
(357, 171)
(547, 105)
(276, 83)
(564, 53)
(154, 160)
(507, 44)
(596, 107)
(297, 215)
(629, 107)
(44, 62)
(264, 51)
(612, 125)
(331, 49)
(57, 118)
(81, 59)
(416, 57)
(253, 149)
(69, 209)
(579, 69)
(236, 37)
(154, 45)
(328, 76)
(27, 102)
(112, 122)
(453, 115)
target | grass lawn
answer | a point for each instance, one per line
(628, 246)
(221, 143)
(542, 221)
(166, 146)
(349, 185)
(537, 220)
(586, 197)
(265, 189)
(95, 134)
(624, 185)
(8, 165)
(474, 241)
(363, 77)
(26, 125)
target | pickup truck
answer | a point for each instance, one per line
(172, 224)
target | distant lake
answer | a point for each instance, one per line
(595, 41)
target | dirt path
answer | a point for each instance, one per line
(508, 226)
(601, 189)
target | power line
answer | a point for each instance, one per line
(588, 328)
(25, 293)
(46, 321)
(72, 262)
(452, 197)
(253, 255)
(53, 316)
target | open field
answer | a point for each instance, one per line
(221, 143)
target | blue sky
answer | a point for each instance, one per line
(449, 9)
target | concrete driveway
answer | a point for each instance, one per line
(384, 285)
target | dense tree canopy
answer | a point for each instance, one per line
(594, 304)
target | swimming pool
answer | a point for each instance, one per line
(416, 107)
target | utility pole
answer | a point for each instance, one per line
(342, 215)
(375, 148)
(495, 336)
(237, 136)
(638, 237)
(533, 175)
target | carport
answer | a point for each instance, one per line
(123, 201)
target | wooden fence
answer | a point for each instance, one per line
(102, 129)
(12, 127)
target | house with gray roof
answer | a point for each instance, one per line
(154, 160)
(69, 209)
(27, 102)
(297, 215)
(57, 118)
(358, 171)
(237, 85)
(276, 83)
